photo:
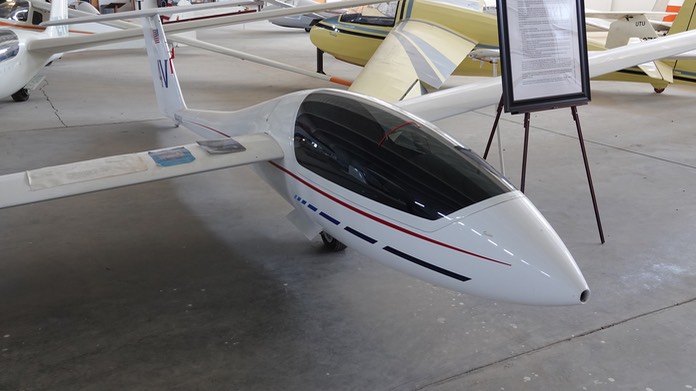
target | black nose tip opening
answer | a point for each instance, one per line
(585, 295)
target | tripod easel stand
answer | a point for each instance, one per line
(576, 118)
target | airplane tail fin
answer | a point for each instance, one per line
(59, 11)
(685, 19)
(167, 89)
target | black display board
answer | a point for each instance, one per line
(543, 52)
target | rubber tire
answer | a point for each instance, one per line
(21, 95)
(331, 243)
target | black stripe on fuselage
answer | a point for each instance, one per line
(331, 219)
(361, 235)
(430, 266)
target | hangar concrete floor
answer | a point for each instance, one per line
(201, 282)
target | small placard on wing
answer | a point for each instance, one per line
(172, 157)
(227, 145)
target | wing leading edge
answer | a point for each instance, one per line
(122, 170)
(447, 103)
(70, 43)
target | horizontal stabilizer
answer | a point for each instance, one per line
(123, 170)
(658, 70)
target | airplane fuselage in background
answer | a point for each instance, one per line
(17, 67)
(353, 38)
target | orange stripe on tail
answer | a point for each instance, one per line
(671, 8)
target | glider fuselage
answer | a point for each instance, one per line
(400, 191)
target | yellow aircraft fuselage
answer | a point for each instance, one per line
(353, 38)
(354, 41)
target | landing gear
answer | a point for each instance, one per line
(21, 95)
(659, 90)
(320, 61)
(315, 21)
(331, 243)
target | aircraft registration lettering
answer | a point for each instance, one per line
(172, 157)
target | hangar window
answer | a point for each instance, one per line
(389, 157)
(382, 14)
(9, 45)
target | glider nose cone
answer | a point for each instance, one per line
(541, 270)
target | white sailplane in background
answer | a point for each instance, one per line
(301, 21)
(365, 173)
(25, 52)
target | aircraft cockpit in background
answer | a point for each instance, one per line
(23, 11)
(382, 14)
(19, 12)
(9, 45)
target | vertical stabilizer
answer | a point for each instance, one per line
(660, 5)
(685, 19)
(59, 11)
(169, 97)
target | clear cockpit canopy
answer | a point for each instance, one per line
(389, 157)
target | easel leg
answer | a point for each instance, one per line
(500, 153)
(498, 111)
(524, 151)
(576, 118)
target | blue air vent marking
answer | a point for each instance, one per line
(334, 221)
(427, 265)
(361, 235)
(315, 209)
(331, 219)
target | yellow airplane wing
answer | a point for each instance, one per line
(414, 54)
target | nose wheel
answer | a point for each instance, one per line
(21, 95)
(331, 243)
